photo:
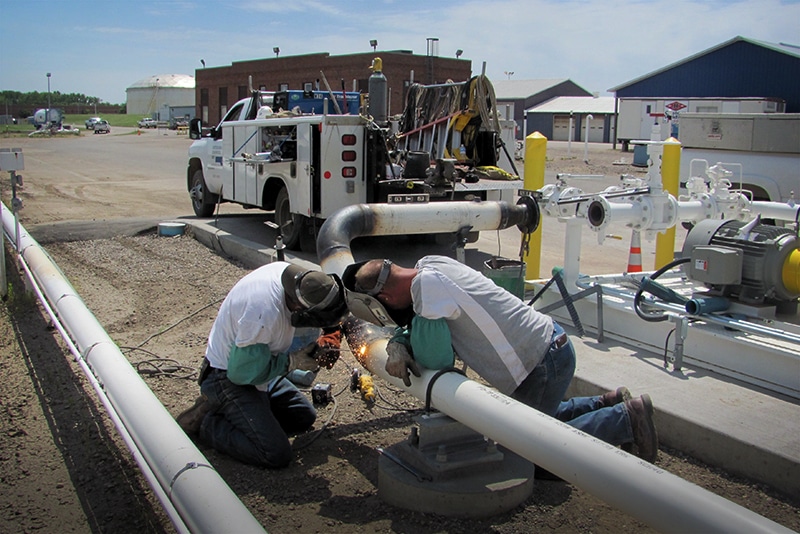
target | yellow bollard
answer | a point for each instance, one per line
(670, 181)
(535, 155)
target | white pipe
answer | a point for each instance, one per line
(639, 213)
(201, 497)
(694, 210)
(112, 413)
(644, 491)
(400, 219)
(589, 118)
(776, 210)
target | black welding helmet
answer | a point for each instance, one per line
(364, 304)
(322, 297)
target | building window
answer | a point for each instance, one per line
(242, 92)
(204, 97)
(283, 87)
(308, 87)
(223, 101)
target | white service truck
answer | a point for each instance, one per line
(761, 150)
(307, 166)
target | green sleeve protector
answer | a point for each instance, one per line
(255, 364)
(431, 342)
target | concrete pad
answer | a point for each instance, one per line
(716, 419)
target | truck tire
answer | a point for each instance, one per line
(199, 196)
(289, 225)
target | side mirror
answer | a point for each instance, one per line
(195, 129)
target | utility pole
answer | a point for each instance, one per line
(47, 115)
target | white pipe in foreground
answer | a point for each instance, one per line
(201, 497)
(652, 495)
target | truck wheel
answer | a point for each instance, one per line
(290, 225)
(199, 195)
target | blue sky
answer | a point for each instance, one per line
(100, 47)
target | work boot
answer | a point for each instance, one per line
(191, 419)
(640, 412)
(611, 398)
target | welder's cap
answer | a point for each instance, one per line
(321, 295)
(363, 303)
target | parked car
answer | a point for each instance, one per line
(147, 122)
(179, 122)
(91, 121)
(102, 126)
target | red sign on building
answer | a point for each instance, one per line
(675, 106)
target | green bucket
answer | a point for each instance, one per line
(508, 274)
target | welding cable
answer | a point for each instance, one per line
(654, 317)
(170, 327)
(158, 365)
(319, 432)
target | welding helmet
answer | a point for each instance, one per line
(321, 296)
(364, 304)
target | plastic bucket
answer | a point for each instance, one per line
(640, 156)
(508, 274)
(171, 228)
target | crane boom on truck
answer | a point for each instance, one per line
(306, 163)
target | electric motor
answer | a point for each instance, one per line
(756, 263)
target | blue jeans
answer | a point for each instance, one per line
(547, 384)
(251, 425)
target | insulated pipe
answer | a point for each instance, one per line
(201, 497)
(776, 210)
(358, 220)
(652, 495)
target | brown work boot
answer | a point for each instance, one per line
(640, 412)
(611, 398)
(191, 419)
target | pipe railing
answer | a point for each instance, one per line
(644, 491)
(204, 502)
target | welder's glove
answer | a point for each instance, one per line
(302, 359)
(400, 362)
(328, 345)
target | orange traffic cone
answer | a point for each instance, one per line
(635, 255)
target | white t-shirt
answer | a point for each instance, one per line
(253, 312)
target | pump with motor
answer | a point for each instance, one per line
(752, 262)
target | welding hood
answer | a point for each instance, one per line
(363, 306)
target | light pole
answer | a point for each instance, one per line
(509, 73)
(277, 50)
(47, 114)
(374, 44)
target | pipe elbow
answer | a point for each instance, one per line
(340, 229)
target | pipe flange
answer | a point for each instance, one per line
(532, 215)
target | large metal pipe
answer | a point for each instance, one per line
(652, 495)
(359, 220)
(203, 500)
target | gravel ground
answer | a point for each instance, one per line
(62, 467)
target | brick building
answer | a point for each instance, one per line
(218, 88)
